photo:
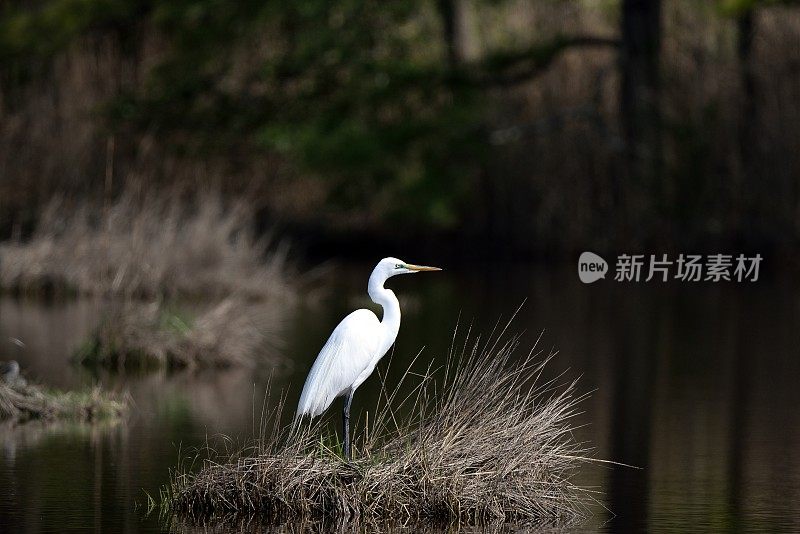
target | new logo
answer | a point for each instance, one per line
(591, 267)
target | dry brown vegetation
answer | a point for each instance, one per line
(148, 246)
(161, 249)
(231, 332)
(22, 402)
(489, 442)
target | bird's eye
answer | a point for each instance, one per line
(398, 266)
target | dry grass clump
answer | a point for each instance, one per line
(232, 332)
(147, 247)
(491, 442)
(22, 402)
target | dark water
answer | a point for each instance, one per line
(695, 384)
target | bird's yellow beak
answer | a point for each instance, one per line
(421, 268)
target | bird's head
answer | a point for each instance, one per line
(389, 267)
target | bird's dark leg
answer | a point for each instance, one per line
(346, 423)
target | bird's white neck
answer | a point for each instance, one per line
(391, 308)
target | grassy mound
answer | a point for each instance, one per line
(489, 441)
(146, 247)
(232, 332)
(22, 402)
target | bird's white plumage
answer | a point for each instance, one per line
(350, 353)
(355, 347)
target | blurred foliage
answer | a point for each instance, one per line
(357, 92)
(404, 123)
(44, 29)
(349, 90)
(735, 8)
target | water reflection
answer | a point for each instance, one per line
(696, 385)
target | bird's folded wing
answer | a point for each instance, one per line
(349, 350)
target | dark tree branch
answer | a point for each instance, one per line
(518, 67)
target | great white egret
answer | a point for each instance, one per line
(355, 347)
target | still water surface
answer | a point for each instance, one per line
(695, 384)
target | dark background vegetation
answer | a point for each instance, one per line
(518, 128)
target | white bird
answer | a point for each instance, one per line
(355, 347)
